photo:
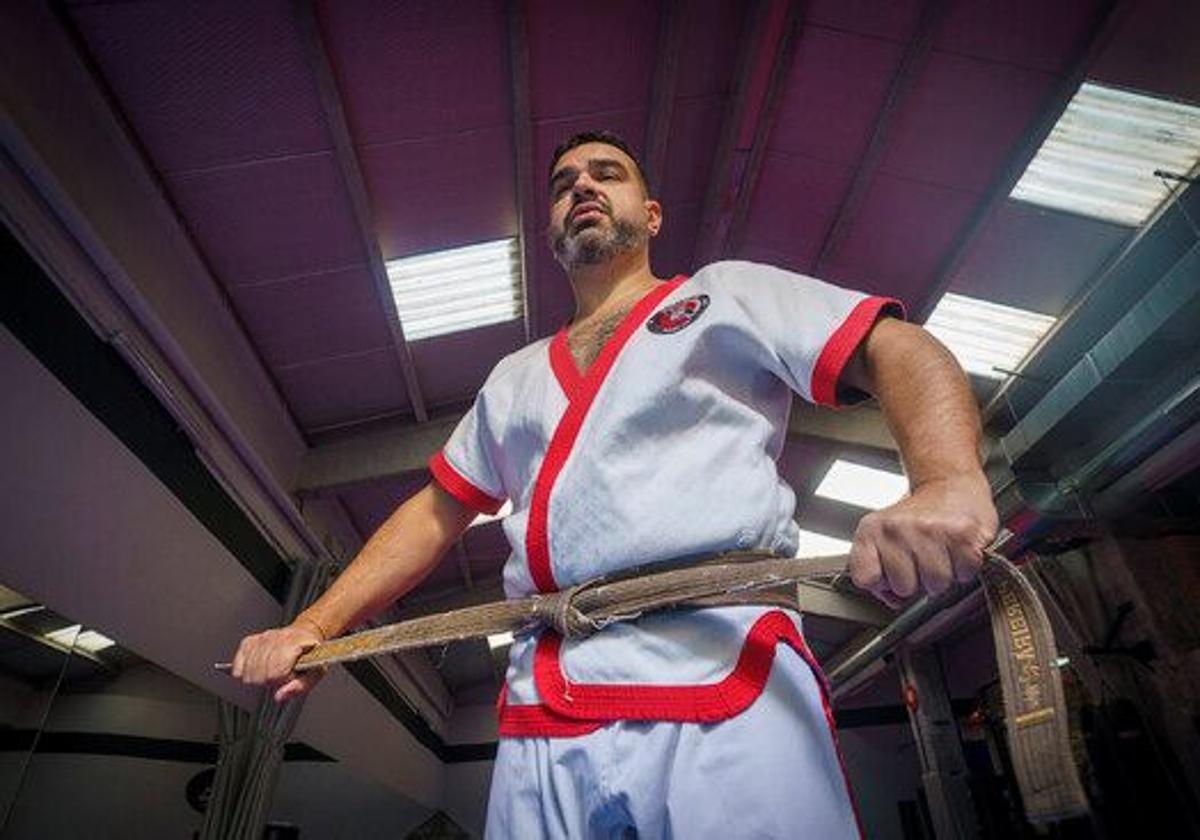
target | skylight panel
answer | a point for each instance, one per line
(459, 289)
(988, 339)
(1099, 159)
(813, 544)
(864, 487)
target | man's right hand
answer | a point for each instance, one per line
(267, 659)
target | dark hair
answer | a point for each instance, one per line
(606, 137)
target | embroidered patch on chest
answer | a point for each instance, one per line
(673, 318)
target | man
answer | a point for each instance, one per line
(648, 429)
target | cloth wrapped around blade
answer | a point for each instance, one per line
(1025, 651)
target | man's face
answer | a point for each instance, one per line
(598, 206)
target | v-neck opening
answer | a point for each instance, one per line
(562, 360)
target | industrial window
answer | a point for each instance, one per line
(813, 544)
(458, 289)
(862, 486)
(1101, 156)
(988, 339)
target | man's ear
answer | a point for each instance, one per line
(654, 216)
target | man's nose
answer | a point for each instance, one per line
(584, 186)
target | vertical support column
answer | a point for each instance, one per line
(943, 768)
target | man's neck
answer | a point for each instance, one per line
(600, 287)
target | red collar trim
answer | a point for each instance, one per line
(580, 390)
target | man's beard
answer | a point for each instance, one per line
(595, 244)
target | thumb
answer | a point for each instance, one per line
(299, 685)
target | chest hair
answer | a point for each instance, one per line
(588, 339)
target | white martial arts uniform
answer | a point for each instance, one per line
(665, 447)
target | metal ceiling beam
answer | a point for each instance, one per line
(915, 55)
(1107, 22)
(523, 170)
(662, 94)
(373, 456)
(768, 42)
(356, 188)
(386, 454)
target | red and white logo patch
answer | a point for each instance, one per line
(673, 318)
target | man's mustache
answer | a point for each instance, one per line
(594, 202)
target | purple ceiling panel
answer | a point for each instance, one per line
(754, 252)
(486, 540)
(556, 301)
(1151, 52)
(585, 58)
(371, 503)
(671, 251)
(962, 120)
(894, 20)
(803, 462)
(347, 389)
(1034, 258)
(417, 69)
(302, 319)
(452, 367)
(207, 83)
(1031, 33)
(899, 237)
(695, 135)
(272, 219)
(442, 192)
(794, 204)
(835, 90)
(547, 134)
(712, 31)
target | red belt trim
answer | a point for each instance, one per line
(842, 343)
(580, 708)
(580, 392)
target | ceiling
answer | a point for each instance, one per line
(870, 143)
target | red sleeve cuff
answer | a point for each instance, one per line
(460, 487)
(842, 344)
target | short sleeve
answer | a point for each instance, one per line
(466, 466)
(811, 327)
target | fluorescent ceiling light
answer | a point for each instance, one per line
(484, 518)
(499, 640)
(813, 544)
(88, 640)
(1100, 157)
(864, 487)
(988, 339)
(20, 611)
(458, 289)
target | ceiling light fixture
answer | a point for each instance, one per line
(499, 640)
(459, 289)
(75, 635)
(484, 518)
(988, 339)
(864, 487)
(1101, 155)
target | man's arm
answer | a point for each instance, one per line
(396, 558)
(937, 534)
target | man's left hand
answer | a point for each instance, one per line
(926, 541)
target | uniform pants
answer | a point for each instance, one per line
(771, 772)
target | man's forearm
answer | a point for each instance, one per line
(395, 559)
(927, 402)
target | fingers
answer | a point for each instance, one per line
(299, 685)
(896, 555)
(267, 659)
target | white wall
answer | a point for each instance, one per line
(102, 796)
